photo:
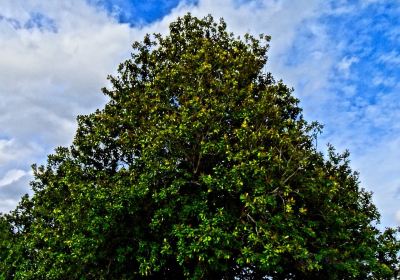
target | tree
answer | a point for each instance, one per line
(200, 166)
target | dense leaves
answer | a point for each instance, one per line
(200, 166)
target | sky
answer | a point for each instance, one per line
(341, 57)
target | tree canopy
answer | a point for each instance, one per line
(200, 166)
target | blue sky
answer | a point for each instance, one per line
(135, 12)
(342, 58)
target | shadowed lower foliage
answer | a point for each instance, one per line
(200, 166)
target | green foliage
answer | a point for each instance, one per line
(200, 166)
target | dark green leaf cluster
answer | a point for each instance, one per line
(200, 166)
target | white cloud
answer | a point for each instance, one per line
(12, 176)
(55, 76)
(12, 185)
(14, 151)
(398, 216)
(379, 169)
(48, 77)
(392, 57)
(380, 80)
(7, 204)
(5, 155)
(345, 64)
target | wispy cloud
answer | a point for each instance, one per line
(392, 57)
(345, 64)
(11, 176)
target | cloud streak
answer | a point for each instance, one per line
(11, 176)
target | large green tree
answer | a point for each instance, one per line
(200, 166)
